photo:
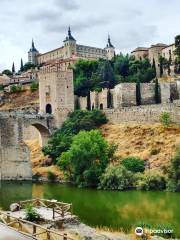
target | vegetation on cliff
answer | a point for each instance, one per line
(61, 140)
(89, 160)
(98, 74)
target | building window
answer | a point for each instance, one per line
(49, 108)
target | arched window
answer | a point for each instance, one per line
(101, 106)
(49, 109)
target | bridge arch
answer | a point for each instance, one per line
(44, 133)
(37, 128)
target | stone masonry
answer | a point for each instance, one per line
(15, 161)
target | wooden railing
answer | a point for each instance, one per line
(30, 229)
(57, 207)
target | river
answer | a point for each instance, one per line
(116, 210)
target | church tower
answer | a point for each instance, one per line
(110, 49)
(69, 45)
(33, 54)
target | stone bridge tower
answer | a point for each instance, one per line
(56, 90)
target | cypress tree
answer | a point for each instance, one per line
(154, 66)
(157, 92)
(22, 66)
(138, 93)
(161, 63)
(13, 68)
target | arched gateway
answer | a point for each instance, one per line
(15, 161)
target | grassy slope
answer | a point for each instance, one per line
(41, 164)
(150, 142)
(16, 100)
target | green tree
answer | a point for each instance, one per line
(116, 177)
(138, 93)
(134, 164)
(7, 72)
(79, 120)
(121, 66)
(151, 180)
(106, 75)
(83, 76)
(28, 66)
(174, 173)
(154, 65)
(22, 66)
(161, 64)
(177, 52)
(13, 68)
(86, 159)
(157, 92)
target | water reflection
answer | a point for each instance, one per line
(102, 208)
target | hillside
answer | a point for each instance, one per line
(17, 100)
(150, 142)
(41, 165)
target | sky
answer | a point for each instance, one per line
(130, 23)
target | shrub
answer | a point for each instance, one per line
(79, 120)
(31, 213)
(116, 177)
(151, 180)
(51, 176)
(87, 158)
(16, 88)
(134, 164)
(165, 119)
(34, 86)
(174, 173)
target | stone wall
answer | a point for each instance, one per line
(102, 99)
(165, 92)
(15, 161)
(124, 95)
(83, 103)
(147, 93)
(94, 100)
(150, 113)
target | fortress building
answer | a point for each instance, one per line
(154, 52)
(71, 49)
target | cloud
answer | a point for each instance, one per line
(67, 4)
(43, 15)
(77, 26)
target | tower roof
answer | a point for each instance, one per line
(69, 36)
(33, 49)
(109, 45)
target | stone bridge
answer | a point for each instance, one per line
(15, 161)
